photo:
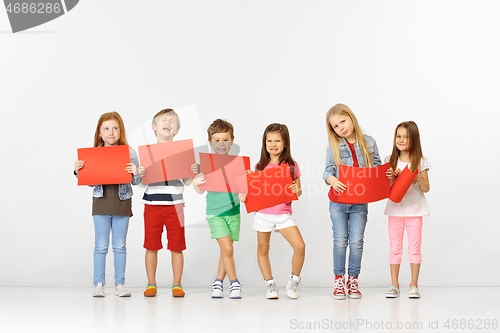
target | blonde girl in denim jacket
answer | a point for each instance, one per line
(348, 146)
(111, 207)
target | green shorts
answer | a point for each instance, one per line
(222, 226)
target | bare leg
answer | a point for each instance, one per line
(293, 236)
(415, 270)
(221, 272)
(151, 263)
(263, 239)
(395, 275)
(177, 266)
(226, 254)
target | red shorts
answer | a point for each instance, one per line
(170, 216)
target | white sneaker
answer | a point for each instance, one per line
(272, 290)
(99, 290)
(392, 293)
(235, 290)
(217, 290)
(414, 292)
(292, 287)
(120, 291)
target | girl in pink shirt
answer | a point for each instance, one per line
(276, 151)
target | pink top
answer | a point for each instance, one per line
(284, 208)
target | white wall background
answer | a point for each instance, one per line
(252, 63)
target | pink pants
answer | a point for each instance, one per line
(397, 226)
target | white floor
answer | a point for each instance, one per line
(75, 310)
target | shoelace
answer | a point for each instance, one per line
(272, 288)
(339, 286)
(353, 286)
(294, 286)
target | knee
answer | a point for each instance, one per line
(356, 244)
(120, 247)
(300, 248)
(101, 248)
(263, 249)
(227, 251)
(340, 242)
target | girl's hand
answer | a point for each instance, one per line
(78, 165)
(131, 168)
(195, 168)
(396, 173)
(242, 197)
(338, 186)
(294, 188)
(248, 171)
(199, 179)
(142, 171)
(390, 173)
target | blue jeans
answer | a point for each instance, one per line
(118, 226)
(348, 225)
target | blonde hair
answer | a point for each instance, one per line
(105, 117)
(342, 110)
(168, 112)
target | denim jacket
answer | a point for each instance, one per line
(124, 190)
(332, 169)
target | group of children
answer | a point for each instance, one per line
(164, 205)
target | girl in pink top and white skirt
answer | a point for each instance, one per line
(276, 151)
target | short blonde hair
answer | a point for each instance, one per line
(169, 112)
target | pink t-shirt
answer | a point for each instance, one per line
(284, 208)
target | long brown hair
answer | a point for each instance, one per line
(414, 147)
(105, 117)
(341, 109)
(286, 155)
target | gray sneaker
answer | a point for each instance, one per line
(99, 290)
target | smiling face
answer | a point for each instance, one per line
(110, 132)
(221, 142)
(402, 139)
(343, 127)
(274, 144)
(166, 127)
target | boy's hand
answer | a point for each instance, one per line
(199, 179)
(142, 171)
(131, 168)
(242, 197)
(78, 165)
(195, 168)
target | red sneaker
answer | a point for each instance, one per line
(352, 287)
(339, 287)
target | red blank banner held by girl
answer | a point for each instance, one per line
(167, 161)
(363, 185)
(267, 188)
(221, 171)
(402, 184)
(104, 165)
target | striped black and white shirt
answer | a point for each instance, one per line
(164, 193)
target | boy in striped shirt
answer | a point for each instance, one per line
(164, 206)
